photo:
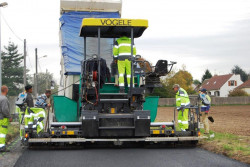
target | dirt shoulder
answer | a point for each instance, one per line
(231, 130)
(228, 119)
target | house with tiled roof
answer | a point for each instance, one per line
(220, 85)
(245, 86)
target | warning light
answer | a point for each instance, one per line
(112, 110)
(199, 133)
(133, 98)
(26, 135)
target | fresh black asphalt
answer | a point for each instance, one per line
(125, 157)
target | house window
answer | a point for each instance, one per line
(232, 83)
(217, 93)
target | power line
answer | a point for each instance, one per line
(11, 28)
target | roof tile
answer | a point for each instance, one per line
(244, 85)
(216, 82)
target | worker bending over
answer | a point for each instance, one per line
(182, 104)
(43, 100)
(122, 55)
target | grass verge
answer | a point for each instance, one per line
(233, 146)
(13, 131)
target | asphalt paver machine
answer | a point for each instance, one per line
(103, 114)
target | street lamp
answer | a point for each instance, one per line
(36, 75)
(1, 5)
(42, 56)
(37, 61)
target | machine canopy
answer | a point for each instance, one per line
(112, 27)
(72, 45)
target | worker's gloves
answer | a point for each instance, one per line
(181, 108)
(132, 58)
(35, 122)
(40, 119)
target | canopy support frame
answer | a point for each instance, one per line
(132, 61)
(99, 62)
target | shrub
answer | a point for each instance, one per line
(237, 92)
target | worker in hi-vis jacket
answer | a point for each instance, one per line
(122, 55)
(5, 117)
(182, 104)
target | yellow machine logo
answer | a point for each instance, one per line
(115, 22)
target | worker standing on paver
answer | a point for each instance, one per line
(205, 106)
(21, 112)
(122, 55)
(5, 117)
(42, 101)
(29, 99)
(182, 104)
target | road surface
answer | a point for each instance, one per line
(125, 157)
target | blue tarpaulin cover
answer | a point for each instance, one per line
(72, 44)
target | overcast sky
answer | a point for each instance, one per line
(208, 34)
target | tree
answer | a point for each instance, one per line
(238, 70)
(12, 69)
(184, 79)
(44, 82)
(207, 75)
(181, 77)
(162, 92)
(196, 82)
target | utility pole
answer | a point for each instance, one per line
(0, 55)
(34, 85)
(47, 78)
(24, 68)
(36, 75)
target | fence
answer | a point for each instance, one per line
(171, 101)
(215, 100)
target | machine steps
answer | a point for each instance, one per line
(117, 127)
(113, 94)
(113, 100)
(113, 97)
